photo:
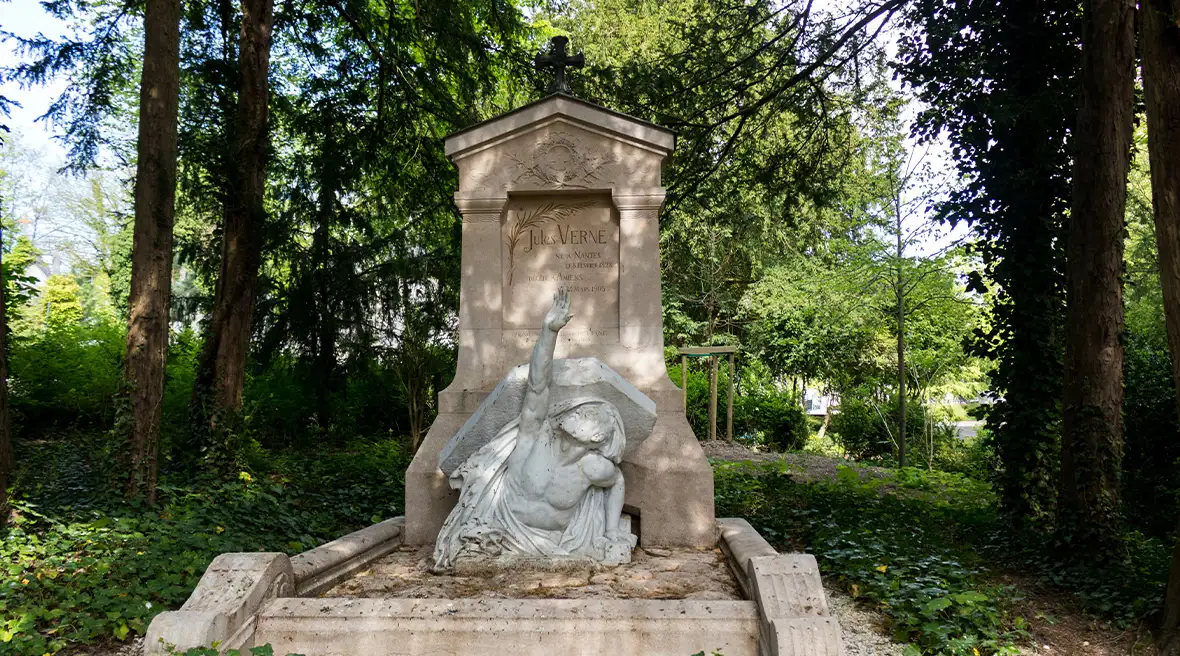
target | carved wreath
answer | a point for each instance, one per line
(559, 160)
(547, 213)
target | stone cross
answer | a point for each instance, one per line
(558, 60)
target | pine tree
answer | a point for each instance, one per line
(1092, 437)
(151, 257)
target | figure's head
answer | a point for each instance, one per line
(596, 425)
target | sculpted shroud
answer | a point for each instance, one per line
(548, 484)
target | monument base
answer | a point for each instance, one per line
(783, 610)
(669, 480)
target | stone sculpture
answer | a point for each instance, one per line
(548, 484)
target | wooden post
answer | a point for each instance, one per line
(684, 381)
(729, 410)
(713, 399)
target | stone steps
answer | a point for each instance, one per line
(471, 627)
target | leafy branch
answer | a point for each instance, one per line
(547, 213)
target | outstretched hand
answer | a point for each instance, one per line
(559, 314)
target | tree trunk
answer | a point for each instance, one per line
(151, 255)
(1161, 85)
(6, 461)
(326, 328)
(222, 370)
(1092, 440)
(899, 290)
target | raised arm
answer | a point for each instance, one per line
(536, 395)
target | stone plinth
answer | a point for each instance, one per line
(563, 193)
(466, 627)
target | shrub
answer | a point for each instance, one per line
(65, 377)
(1151, 479)
(972, 457)
(762, 413)
(861, 431)
(777, 419)
(868, 431)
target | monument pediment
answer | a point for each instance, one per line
(559, 142)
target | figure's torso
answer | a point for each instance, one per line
(550, 486)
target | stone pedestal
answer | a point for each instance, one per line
(562, 192)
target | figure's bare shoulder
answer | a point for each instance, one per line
(600, 470)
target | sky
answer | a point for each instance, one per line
(26, 18)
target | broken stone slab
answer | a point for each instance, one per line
(326, 565)
(229, 594)
(787, 585)
(740, 542)
(572, 378)
(792, 607)
(801, 636)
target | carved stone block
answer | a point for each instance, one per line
(577, 377)
(232, 590)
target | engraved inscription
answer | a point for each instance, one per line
(576, 247)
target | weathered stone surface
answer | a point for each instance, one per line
(230, 592)
(787, 585)
(570, 450)
(741, 542)
(572, 378)
(792, 607)
(802, 636)
(328, 564)
(525, 627)
(684, 573)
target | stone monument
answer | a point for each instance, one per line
(548, 484)
(558, 453)
(563, 193)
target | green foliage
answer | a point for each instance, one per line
(762, 413)
(863, 429)
(101, 57)
(924, 547)
(972, 457)
(766, 164)
(867, 430)
(902, 542)
(777, 419)
(82, 564)
(999, 81)
(1151, 429)
(1151, 478)
(65, 376)
(808, 321)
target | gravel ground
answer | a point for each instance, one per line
(862, 628)
(133, 647)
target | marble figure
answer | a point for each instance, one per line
(548, 484)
